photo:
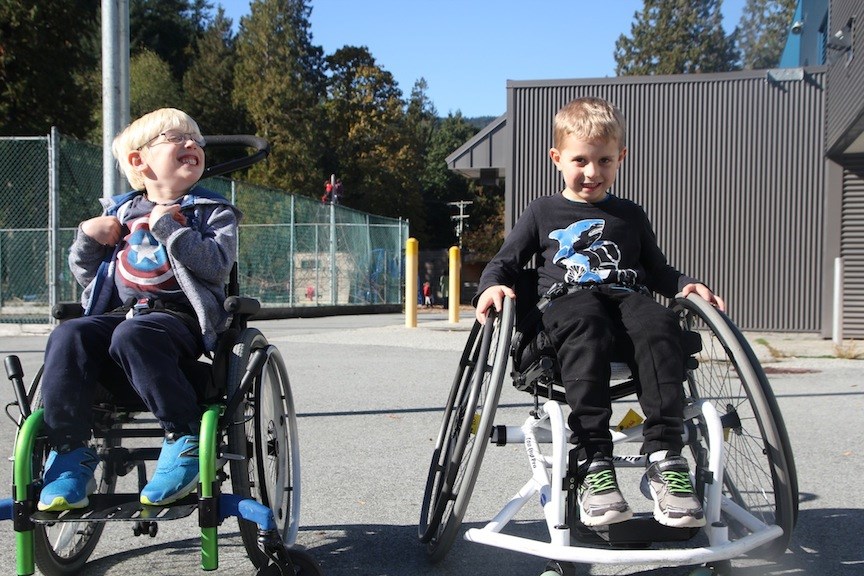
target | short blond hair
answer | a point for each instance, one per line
(142, 131)
(590, 119)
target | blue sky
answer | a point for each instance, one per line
(467, 50)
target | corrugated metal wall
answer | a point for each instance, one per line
(845, 99)
(852, 246)
(729, 168)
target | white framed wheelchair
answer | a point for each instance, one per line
(735, 440)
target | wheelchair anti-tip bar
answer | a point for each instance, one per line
(261, 147)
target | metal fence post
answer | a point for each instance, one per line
(334, 284)
(53, 216)
(292, 234)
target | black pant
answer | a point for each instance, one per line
(586, 327)
(144, 350)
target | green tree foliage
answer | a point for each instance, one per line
(43, 60)
(151, 84)
(279, 80)
(676, 37)
(440, 184)
(370, 137)
(762, 32)
(344, 115)
(484, 233)
(168, 28)
(208, 85)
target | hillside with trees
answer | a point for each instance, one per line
(339, 113)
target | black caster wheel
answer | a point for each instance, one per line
(556, 568)
(719, 568)
(301, 564)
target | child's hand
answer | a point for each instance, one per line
(103, 229)
(706, 294)
(492, 296)
(159, 211)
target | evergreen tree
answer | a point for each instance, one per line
(167, 28)
(762, 32)
(208, 84)
(676, 37)
(279, 81)
(440, 184)
(151, 84)
(43, 63)
(370, 138)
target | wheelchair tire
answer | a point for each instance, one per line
(62, 549)
(264, 433)
(759, 471)
(468, 416)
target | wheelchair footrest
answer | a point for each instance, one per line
(120, 507)
(641, 530)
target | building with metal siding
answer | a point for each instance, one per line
(754, 180)
(733, 188)
(844, 146)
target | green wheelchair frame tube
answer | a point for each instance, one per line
(23, 481)
(22, 476)
(207, 472)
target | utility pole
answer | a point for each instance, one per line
(115, 87)
(460, 218)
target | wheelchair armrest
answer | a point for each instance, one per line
(242, 305)
(67, 310)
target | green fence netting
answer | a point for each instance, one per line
(293, 250)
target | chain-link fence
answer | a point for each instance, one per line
(294, 251)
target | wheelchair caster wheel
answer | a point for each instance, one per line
(149, 528)
(555, 568)
(300, 564)
(720, 568)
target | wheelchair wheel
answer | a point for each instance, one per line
(759, 471)
(465, 431)
(64, 547)
(264, 433)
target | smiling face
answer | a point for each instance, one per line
(587, 166)
(170, 164)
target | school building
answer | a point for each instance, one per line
(753, 180)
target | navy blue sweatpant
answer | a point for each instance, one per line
(144, 350)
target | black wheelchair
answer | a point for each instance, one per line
(735, 441)
(249, 427)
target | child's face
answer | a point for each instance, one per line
(172, 162)
(588, 167)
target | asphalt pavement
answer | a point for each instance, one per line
(370, 393)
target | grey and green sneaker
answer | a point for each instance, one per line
(600, 500)
(675, 501)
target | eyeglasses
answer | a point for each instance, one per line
(177, 138)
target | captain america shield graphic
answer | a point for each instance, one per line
(143, 262)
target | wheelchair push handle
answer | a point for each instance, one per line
(16, 376)
(260, 145)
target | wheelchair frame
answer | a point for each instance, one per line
(729, 399)
(253, 409)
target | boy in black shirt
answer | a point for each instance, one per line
(604, 249)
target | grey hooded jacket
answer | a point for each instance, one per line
(202, 254)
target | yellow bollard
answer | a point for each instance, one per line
(455, 284)
(412, 257)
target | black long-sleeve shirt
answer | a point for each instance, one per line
(610, 242)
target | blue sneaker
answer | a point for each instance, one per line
(176, 473)
(69, 480)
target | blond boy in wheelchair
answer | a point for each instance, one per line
(598, 261)
(153, 267)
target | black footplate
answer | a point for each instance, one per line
(119, 507)
(639, 532)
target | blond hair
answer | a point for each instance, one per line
(142, 131)
(590, 119)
